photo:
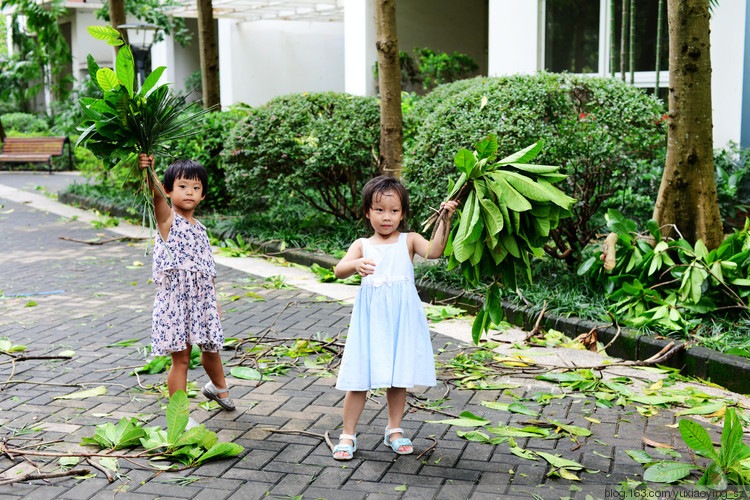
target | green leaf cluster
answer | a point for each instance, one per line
(730, 464)
(508, 208)
(671, 283)
(191, 447)
(125, 122)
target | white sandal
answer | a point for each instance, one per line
(347, 448)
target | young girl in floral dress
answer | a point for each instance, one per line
(186, 310)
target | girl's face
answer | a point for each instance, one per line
(186, 194)
(385, 213)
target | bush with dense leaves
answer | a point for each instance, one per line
(319, 148)
(207, 148)
(599, 130)
(25, 123)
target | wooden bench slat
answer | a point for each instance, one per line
(32, 149)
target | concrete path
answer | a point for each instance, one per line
(61, 295)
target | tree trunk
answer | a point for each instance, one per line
(687, 195)
(209, 50)
(117, 17)
(389, 81)
(2, 132)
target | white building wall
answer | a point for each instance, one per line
(360, 52)
(272, 58)
(514, 37)
(445, 26)
(727, 57)
(83, 44)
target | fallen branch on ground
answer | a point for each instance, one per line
(39, 475)
(102, 242)
(304, 433)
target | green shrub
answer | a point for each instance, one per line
(69, 113)
(25, 123)
(599, 130)
(208, 149)
(319, 148)
(733, 184)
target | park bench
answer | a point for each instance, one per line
(34, 150)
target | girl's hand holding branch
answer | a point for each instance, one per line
(449, 207)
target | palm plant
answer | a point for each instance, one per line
(124, 123)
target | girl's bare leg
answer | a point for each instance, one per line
(396, 399)
(211, 362)
(177, 378)
(354, 403)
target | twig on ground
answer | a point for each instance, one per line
(614, 323)
(102, 242)
(304, 433)
(50, 475)
(536, 328)
(432, 447)
(100, 468)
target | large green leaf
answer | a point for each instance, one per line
(666, 472)
(487, 147)
(220, 450)
(107, 79)
(151, 80)
(88, 393)
(557, 461)
(92, 66)
(477, 436)
(177, 415)
(527, 186)
(505, 192)
(697, 438)
(125, 68)
(525, 155)
(467, 419)
(103, 32)
(128, 433)
(465, 161)
(536, 169)
(508, 431)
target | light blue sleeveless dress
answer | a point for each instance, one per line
(388, 344)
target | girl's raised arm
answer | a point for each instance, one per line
(162, 210)
(419, 244)
(353, 262)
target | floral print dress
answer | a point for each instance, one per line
(185, 308)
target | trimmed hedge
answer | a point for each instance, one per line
(320, 148)
(597, 129)
(25, 123)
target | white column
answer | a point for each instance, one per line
(360, 53)
(227, 31)
(515, 29)
(162, 54)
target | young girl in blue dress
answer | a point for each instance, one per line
(388, 344)
(186, 310)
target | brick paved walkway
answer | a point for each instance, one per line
(105, 298)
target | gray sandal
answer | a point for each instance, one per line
(212, 393)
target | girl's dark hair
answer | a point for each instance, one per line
(375, 188)
(187, 169)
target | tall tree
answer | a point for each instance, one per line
(117, 17)
(209, 49)
(389, 81)
(687, 197)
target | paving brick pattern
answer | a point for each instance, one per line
(106, 298)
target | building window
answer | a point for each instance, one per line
(645, 16)
(571, 39)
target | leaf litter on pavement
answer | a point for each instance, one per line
(487, 365)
